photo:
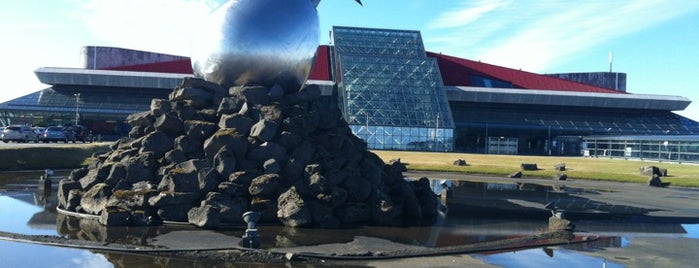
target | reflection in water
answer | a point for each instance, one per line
(528, 200)
(692, 230)
(29, 255)
(28, 211)
(25, 255)
(542, 258)
(123, 260)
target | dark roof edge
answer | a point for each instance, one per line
(107, 78)
(567, 98)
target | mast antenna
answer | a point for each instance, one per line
(611, 60)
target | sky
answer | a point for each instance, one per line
(655, 42)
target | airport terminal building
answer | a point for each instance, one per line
(398, 96)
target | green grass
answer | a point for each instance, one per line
(70, 156)
(604, 169)
(64, 156)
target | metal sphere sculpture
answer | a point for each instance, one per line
(262, 42)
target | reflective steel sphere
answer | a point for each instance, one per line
(262, 42)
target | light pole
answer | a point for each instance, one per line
(609, 138)
(77, 103)
(367, 127)
(549, 143)
(436, 138)
(664, 143)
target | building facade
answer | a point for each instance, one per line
(393, 93)
(389, 91)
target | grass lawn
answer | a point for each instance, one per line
(619, 170)
(57, 156)
(74, 155)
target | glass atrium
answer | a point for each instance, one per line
(663, 148)
(389, 91)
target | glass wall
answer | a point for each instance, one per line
(502, 145)
(405, 138)
(390, 93)
(661, 148)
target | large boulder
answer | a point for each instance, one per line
(168, 198)
(236, 142)
(176, 213)
(141, 119)
(229, 105)
(169, 124)
(386, 211)
(206, 216)
(206, 155)
(199, 97)
(268, 150)
(293, 210)
(135, 199)
(252, 94)
(241, 123)
(199, 129)
(65, 186)
(157, 142)
(114, 216)
(231, 209)
(655, 181)
(216, 90)
(180, 180)
(95, 199)
(264, 186)
(653, 171)
(160, 107)
(225, 162)
(264, 130)
(90, 179)
(429, 201)
(188, 145)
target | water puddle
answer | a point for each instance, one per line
(692, 230)
(25, 255)
(543, 257)
(478, 213)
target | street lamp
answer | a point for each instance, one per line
(77, 103)
(367, 126)
(609, 138)
(436, 137)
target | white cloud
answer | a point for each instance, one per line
(536, 36)
(156, 25)
(24, 27)
(471, 11)
(89, 259)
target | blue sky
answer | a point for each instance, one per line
(656, 42)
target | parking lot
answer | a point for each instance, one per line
(36, 144)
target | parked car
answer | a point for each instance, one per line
(39, 131)
(18, 134)
(56, 134)
(83, 134)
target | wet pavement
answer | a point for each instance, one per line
(635, 225)
(581, 199)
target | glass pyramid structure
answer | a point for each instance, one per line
(389, 91)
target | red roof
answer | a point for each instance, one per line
(320, 70)
(176, 67)
(321, 66)
(457, 72)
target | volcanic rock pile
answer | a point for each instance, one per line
(206, 155)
